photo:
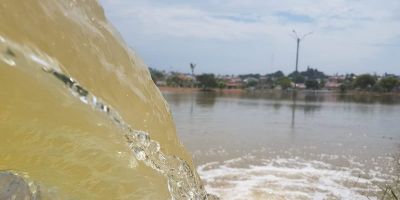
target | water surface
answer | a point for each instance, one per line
(79, 114)
(281, 145)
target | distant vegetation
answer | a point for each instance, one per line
(156, 74)
(364, 82)
(207, 81)
(389, 83)
(310, 79)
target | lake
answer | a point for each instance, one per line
(276, 145)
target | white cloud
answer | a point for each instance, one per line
(183, 21)
(345, 31)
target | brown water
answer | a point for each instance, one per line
(81, 119)
(79, 113)
(280, 146)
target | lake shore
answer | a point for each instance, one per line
(196, 90)
(167, 89)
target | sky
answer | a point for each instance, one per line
(256, 36)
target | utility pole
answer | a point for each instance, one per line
(298, 40)
(297, 55)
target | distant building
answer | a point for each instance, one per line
(334, 82)
(263, 82)
(250, 79)
(300, 85)
(187, 77)
(176, 79)
(233, 82)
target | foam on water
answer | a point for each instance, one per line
(290, 178)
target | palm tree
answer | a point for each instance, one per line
(192, 66)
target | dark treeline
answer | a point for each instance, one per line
(311, 79)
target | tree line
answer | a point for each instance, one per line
(311, 79)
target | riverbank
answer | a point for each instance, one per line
(195, 90)
(166, 89)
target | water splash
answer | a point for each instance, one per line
(182, 183)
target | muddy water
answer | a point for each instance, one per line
(79, 114)
(280, 146)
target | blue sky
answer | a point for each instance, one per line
(255, 36)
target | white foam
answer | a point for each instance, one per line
(289, 179)
(39, 60)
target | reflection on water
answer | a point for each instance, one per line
(369, 99)
(320, 135)
(206, 99)
(322, 97)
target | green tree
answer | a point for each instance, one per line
(245, 76)
(389, 83)
(207, 81)
(365, 81)
(278, 74)
(252, 83)
(221, 84)
(311, 73)
(312, 84)
(156, 75)
(350, 77)
(285, 83)
(297, 77)
(345, 86)
(175, 81)
(322, 84)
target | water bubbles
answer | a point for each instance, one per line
(84, 100)
(8, 61)
(140, 154)
(181, 180)
(8, 57)
(143, 137)
(162, 158)
(133, 163)
(40, 61)
(155, 146)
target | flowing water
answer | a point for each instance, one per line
(285, 146)
(80, 118)
(79, 115)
